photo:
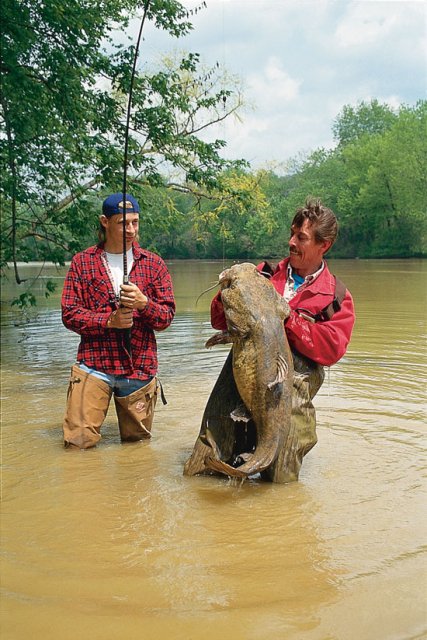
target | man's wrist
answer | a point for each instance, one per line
(111, 320)
(142, 304)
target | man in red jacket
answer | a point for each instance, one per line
(101, 309)
(320, 324)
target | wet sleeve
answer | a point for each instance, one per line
(217, 313)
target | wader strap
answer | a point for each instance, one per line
(162, 393)
(335, 305)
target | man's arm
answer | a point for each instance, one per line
(158, 309)
(325, 342)
(75, 315)
(217, 313)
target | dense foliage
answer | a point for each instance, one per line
(375, 179)
(64, 96)
(65, 87)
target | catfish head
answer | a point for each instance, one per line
(249, 299)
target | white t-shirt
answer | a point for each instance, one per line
(115, 262)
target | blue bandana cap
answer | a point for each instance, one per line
(114, 204)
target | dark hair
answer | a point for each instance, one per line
(324, 221)
(101, 234)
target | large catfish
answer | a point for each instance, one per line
(260, 382)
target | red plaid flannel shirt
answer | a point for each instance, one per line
(88, 298)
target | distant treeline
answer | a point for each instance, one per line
(62, 132)
(375, 180)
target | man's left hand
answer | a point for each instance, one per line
(132, 297)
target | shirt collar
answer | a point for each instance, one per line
(311, 276)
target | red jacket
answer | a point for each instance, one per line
(88, 299)
(325, 341)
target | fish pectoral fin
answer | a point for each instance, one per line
(241, 413)
(282, 372)
(218, 338)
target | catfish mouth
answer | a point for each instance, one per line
(224, 280)
(243, 463)
(243, 451)
(259, 423)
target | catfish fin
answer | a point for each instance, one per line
(218, 338)
(282, 372)
(208, 440)
(241, 413)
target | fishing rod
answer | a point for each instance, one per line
(127, 332)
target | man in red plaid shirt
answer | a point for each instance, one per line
(102, 310)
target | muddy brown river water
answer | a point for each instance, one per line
(115, 543)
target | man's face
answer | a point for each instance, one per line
(114, 231)
(305, 253)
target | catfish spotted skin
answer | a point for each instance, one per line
(262, 363)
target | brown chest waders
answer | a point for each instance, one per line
(135, 412)
(88, 399)
(308, 378)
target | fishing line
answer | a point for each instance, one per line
(224, 99)
(127, 332)
(125, 156)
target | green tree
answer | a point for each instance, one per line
(365, 119)
(374, 180)
(222, 224)
(63, 111)
(383, 191)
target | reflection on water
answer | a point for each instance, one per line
(115, 542)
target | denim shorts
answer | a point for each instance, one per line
(120, 385)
